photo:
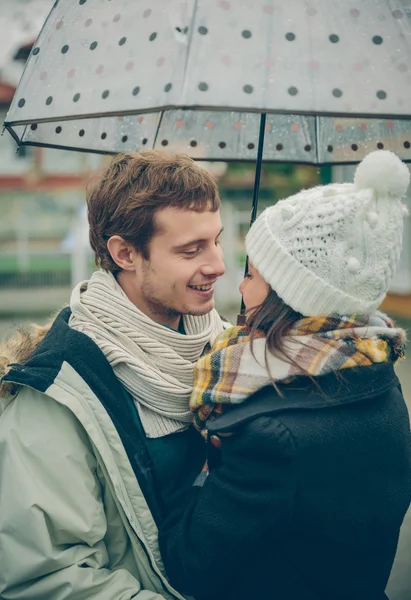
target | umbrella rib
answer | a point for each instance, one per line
(204, 108)
(158, 129)
(316, 138)
(190, 39)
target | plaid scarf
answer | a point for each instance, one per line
(314, 346)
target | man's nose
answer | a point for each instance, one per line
(215, 266)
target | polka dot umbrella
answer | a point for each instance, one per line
(302, 81)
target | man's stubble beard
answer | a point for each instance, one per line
(157, 306)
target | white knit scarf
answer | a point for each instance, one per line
(154, 363)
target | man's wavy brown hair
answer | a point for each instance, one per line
(134, 186)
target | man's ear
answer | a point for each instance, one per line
(123, 253)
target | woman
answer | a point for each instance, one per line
(309, 447)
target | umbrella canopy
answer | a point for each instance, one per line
(194, 76)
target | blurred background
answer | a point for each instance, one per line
(44, 248)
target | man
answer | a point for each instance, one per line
(96, 434)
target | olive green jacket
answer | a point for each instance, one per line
(74, 523)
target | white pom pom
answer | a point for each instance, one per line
(287, 212)
(383, 172)
(372, 219)
(353, 265)
(329, 192)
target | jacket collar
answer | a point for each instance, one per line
(334, 389)
(64, 344)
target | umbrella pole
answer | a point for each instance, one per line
(241, 316)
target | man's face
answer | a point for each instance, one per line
(185, 260)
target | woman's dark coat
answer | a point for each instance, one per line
(304, 501)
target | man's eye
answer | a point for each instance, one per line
(248, 276)
(192, 252)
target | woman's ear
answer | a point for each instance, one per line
(123, 253)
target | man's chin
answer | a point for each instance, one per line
(199, 311)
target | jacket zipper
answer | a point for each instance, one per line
(150, 562)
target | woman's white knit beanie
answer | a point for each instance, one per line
(335, 248)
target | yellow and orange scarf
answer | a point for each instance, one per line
(230, 373)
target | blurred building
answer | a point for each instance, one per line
(41, 190)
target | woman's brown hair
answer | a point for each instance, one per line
(275, 319)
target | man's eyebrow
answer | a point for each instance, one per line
(194, 242)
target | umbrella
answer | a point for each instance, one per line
(331, 77)
(302, 81)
